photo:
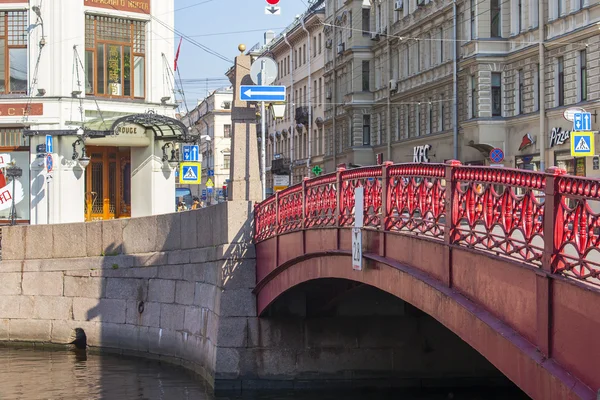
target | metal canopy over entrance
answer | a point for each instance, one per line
(164, 128)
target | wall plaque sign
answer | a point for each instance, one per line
(137, 6)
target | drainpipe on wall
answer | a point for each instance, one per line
(542, 86)
(293, 109)
(455, 81)
(334, 89)
(309, 101)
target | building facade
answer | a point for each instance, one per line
(93, 76)
(212, 119)
(398, 74)
(295, 143)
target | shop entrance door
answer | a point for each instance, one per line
(108, 183)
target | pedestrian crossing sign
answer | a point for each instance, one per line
(189, 172)
(582, 144)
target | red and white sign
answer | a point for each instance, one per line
(6, 192)
(273, 2)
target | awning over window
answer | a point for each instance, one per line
(483, 148)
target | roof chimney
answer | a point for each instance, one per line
(269, 36)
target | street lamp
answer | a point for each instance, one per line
(84, 160)
(13, 172)
(173, 161)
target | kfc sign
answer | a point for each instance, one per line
(420, 153)
(558, 136)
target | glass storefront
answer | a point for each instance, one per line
(573, 165)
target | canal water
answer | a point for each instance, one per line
(32, 374)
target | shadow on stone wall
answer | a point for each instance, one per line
(170, 287)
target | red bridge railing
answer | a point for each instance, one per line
(549, 220)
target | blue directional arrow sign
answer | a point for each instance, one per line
(582, 121)
(191, 153)
(262, 93)
(49, 144)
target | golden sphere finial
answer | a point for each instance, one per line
(242, 48)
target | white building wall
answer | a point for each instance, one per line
(63, 29)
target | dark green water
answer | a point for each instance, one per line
(32, 374)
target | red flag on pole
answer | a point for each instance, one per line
(177, 54)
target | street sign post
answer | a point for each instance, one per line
(582, 121)
(270, 71)
(191, 153)
(189, 173)
(262, 93)
(582, 144)
(359, 209)
(272, 8)
(49, 144)
(49, 163)
(210, 172)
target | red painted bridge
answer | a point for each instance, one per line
(509, 260)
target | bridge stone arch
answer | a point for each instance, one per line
(309, 257)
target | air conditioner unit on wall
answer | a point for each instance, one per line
(374, 36)
(420, 2)
(399, 5)
(341, 48)
(328, 95)
(328, 43)
(393, 84)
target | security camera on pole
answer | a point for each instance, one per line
(263, 72)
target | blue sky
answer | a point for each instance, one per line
(221, 25)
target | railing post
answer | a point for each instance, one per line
(303, 226)
(543, 279)
(384, 203)
(551, 208)
(449, 227)
(276, 230)
(338, 199)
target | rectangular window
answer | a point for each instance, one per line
(429, 117)
(441, 56)
(227, 130)
(115, 57)
(519, 15)
(366, 21)
(13, 52)
(418, 120)
(472, 9)
(473, 97)
(560, 87)
(366, 75)
(314, 46)
(226, 161)
(559, 8)
(583, 78)
(397, 124)
(380, 128)
(495, 19)
(366, 130)
(496, 94)
(320, 44)
(304, 52)
(441, 116)
(536, 87)
(521, 77)
(320, 92)
(407, 120)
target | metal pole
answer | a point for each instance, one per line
(13, 210)
(455, 82)
(48, 200)
(541, 86)
(263, 119)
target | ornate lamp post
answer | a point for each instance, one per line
(14, 173)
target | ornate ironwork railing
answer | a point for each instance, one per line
(543, 219)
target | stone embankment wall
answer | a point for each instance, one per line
(170, 286)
